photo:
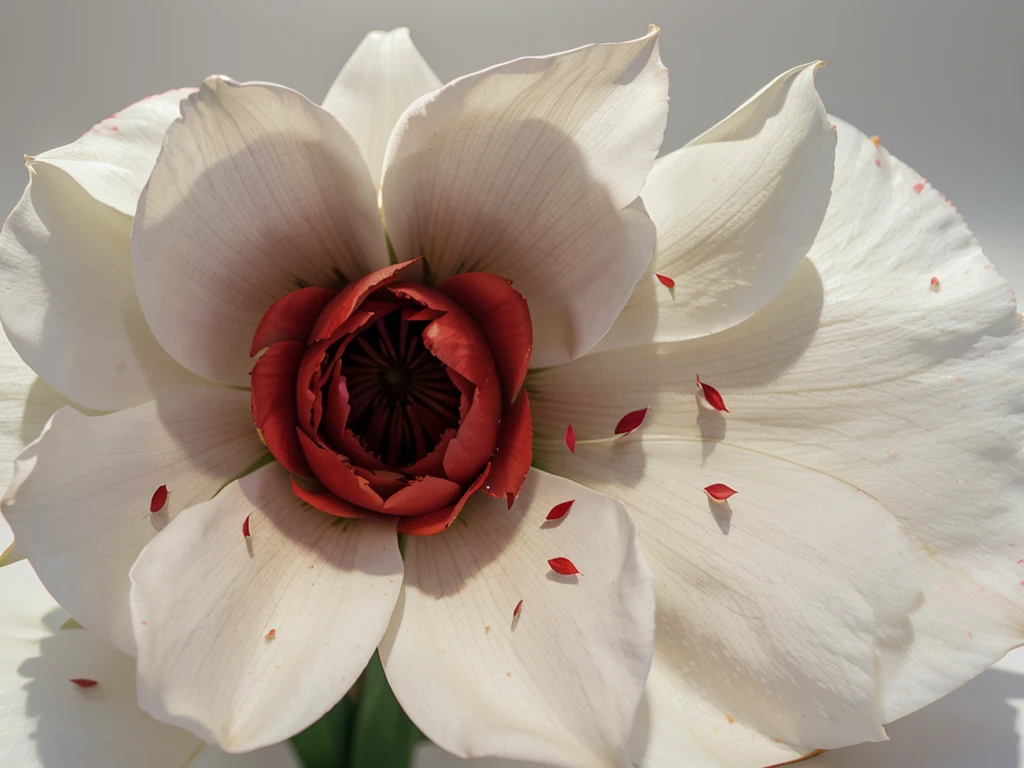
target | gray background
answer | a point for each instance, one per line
(942, 81)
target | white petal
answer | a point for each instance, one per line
(256, 192)
(6, 541)
(204, 598)
(80, 500)
(562, 682)
(531, 170)
(384, 75)
(113, 160)
(861, 370)
(46, 721)
(67, 300)
(736, 210)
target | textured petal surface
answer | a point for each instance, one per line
(383, 76)
(562, 681)
(861, 370)
(530, 170)
(67, 300)
(112, 161)
(257, 192)
(204, 598)
(79, 503)
(736, 210)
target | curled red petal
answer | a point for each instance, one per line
(665, 280)
(514, 452)
(560, 510)
(271, 634)
(291, 318)
(83, 682)
(501, 313)
(325, 501)
(711, 395)
(570, 439)
(719, 491)
(348, 299)
(273, 404)
(435, 522)
(246, 532)
(477, 435)
(338, 475)
(563, 566)
(517, 609)
(159, 499)
(630, 421)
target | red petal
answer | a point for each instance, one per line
(667, 281)
(271, 634)
(501, 313)
(630, 421)
(423, 496)
(560, 510)
(351, 296)
(291, 318)
(477, 435)
(570, 439)
(719, 491)
(245, 526)
(517, 609)
(327, 502)
(159, 499)
(711, 395)
(273, 404)
(338, 475)
(514, 453)
(83, 682)
(435, 522)
(563, 566)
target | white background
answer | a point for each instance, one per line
(941, 82)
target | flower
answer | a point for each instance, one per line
(865, 420)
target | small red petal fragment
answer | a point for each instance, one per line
(271, 634)
(159, 499)
(719, 491)
(667, 281)
(245, 526)
(560, 510)
(712, 395)
(517, 609)
(630, 421)
(919, 187)
(878, 163)
(83, 682)
(934, 283)
(563, 566)
(570, 439)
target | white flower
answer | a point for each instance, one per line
(865, 566)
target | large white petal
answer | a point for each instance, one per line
(204, 597)
(384, 75)
(80, 500)
(113, 160)
(531, 170)
(562, 682)
(862, 370)
(257, 192)
(736, 210)
(67, 300)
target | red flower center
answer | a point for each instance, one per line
(394, 398)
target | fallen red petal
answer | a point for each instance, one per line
(159, 499)
(570, 439)
(630, 421)
(934, 283)
(719, 491)
(563, 566)
(517, 609)
(271, 634)
(83, 682)
(919, 187)
(711, 395)
(560, 510)
(667, 281)
(245, 526)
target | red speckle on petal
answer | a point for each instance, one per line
(878, 163)
(158, 500)
(563, 566)
(271, 634)
(83, 682)
(630, 421)
(667, 281)
(1020, 562)
(245, 526)
(934, 283)
(114, 128)
(711, 395)
(919, 187)
(560, 510)
(517, 609)
(570, 439)
(719, 491)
